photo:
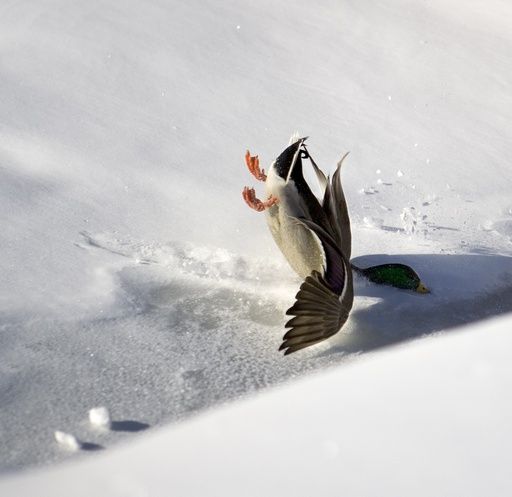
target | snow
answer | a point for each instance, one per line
(134, 277)
(99, 417)
(67, 441)
(428, 418)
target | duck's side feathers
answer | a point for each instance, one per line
(335, 273)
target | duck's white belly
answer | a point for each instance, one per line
(298, 244)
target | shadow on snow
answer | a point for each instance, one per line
(464, 289)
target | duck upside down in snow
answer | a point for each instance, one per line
(315, 238)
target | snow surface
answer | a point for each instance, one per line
(133, 275)
(428, 419)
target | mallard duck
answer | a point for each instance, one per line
(315, 238)
(393, 274)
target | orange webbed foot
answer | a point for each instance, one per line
(254, 202)
(253, 164)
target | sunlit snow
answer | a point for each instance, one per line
(136, 280)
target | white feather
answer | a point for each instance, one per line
(294, 138)
(300, 246)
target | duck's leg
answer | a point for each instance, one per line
(253, 164)
(254, 202)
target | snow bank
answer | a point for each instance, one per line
(430, 418)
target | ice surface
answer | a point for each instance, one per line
(134, 277)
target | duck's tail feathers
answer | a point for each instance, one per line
(336, 209)
(320, 175)
(318, 314)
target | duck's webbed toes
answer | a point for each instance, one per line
(253, 164)
(249, 195)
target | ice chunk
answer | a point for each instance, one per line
(67, 441)
(99, 417)
(399, 173)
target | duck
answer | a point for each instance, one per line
(393, 274)
(315, 238)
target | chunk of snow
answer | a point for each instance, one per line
(413, 221)
(67, 440)
(99, 417)
(487, 225)
(399, 173)
(372, 222)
